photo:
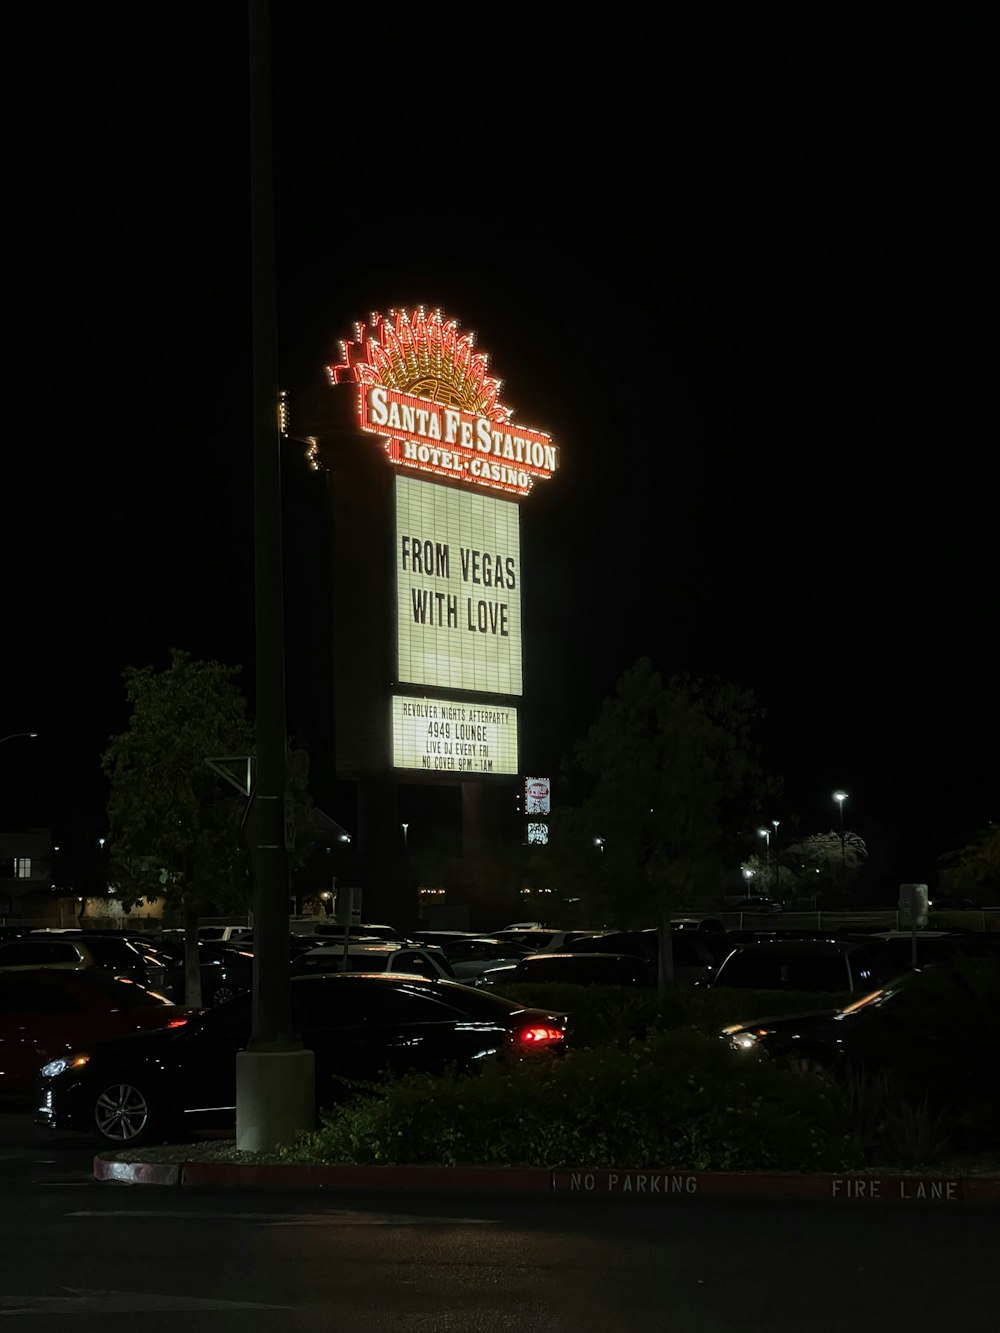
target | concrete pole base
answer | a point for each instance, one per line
(275, 1097)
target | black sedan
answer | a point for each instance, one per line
(226, 970)
(931, 1034)
(360, 1026)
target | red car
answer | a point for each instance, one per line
(45, 1012)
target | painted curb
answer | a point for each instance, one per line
(672, 1186)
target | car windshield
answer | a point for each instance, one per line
(910, 983)
(869, 1001)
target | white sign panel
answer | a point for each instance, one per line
(537, 796)
(458, 589)
(445, 736)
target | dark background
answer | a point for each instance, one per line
(730, 262)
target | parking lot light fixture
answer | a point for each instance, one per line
(840, 797)
(777, 861)
(765, 833)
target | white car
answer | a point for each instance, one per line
(375, 957)
(544, 940)
(471, 955)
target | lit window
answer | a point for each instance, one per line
(22, 867)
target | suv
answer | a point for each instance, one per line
(543, 940)
(833, 966)
(695, 953)
(577, 969)
(379, 956)
(116, 954)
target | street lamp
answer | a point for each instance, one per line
(777, 861)
(404, 827)
(765, 833)
(599, 844)
(840, 797)
(14, 735)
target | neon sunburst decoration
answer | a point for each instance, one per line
(425, 355)
(428, 396)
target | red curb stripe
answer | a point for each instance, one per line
(980, 1189)
(414, 1178)
(680, 1185)
(670, 1185)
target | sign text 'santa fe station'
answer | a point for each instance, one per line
(462, 467)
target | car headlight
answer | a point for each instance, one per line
(64, 1064)
(743, 1039)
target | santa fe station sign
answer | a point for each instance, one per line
(461, 468)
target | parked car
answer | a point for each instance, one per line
(324, 925)
(47, 1011)
(711, 925)
(225, 933)
(359, 1027)
(445, 937)
(755, 904)
(470, 956)
(377, 957)
(578, 969)
(696, 954)
(834, 966)
(77, 950)
(934, 1033)
(543, 940)
(929, 946)
(226, 969)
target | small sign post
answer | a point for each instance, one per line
(913, 902)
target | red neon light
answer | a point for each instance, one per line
(421, 358)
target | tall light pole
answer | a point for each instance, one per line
(14, 735)
(404, 827)
(777, 861)
(840, 797)
(765, 833)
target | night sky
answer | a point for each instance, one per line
(723, 263)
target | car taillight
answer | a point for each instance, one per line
(177, 1023)
(538, 1035)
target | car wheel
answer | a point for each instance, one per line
(223, 993)
(808, 1063)
(124, 1114)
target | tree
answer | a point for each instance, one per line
(655, 796)
(822, 864)
(973, 871)
(174, 826)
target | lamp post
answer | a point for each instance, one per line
(840, 797)
(777, 861)
(404, 827)
(765, 833)
(14, 735)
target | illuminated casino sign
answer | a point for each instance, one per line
(427, 394)
(433, 541)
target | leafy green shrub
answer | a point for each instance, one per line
(680, 1100)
